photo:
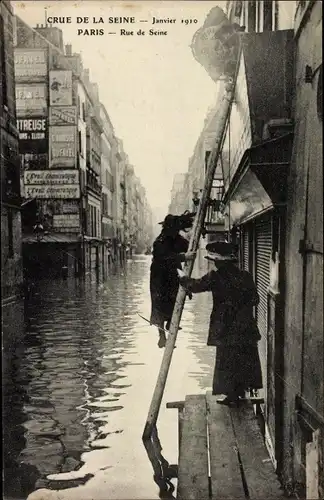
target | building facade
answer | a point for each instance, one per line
(303, 355)
(11, 246)
(52, 150)
(108, 183)
(74, 168)
(270, 166)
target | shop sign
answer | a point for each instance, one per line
(30, 64)
(70, 207)
(60, 88)
(49, 177)
(53, 191)
(63, 115)
(62, 146)
(66, 221)
(31, 99)
(32, 135)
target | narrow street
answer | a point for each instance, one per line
(83, 380)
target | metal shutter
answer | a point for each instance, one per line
(263, 245)
(263, 257)
(246, 246)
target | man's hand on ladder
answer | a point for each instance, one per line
(190, 256)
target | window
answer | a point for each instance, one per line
(267, 15)
(80, 143)
(251, 23)
(259, 17)
(10, 235)
(79, 106)
(83, 112)
(104, 204)
(275, 15)
(3, 64)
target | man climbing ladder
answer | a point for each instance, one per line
(216, 46)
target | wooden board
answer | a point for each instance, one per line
(193, 481)
(258, 469)
(226, 479)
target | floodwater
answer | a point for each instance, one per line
(80, 386)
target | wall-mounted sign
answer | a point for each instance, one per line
(60, 207)
(60, 88)
(63, 115)
(31, 100)
(32, 135)
(48, 177)
(62, 146)
(30, 64)
(66, 221)
(53, 191)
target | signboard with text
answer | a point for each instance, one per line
(31, 100)
(63, 115)
(53, 191)
(62, 146)
(49, 177)
(60, 88)
(30, 65)
(32, 135)
(66, 221)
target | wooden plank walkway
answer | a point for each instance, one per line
(222, 454)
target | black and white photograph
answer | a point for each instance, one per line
(162, 249)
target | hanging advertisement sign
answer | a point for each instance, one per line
(32, 135)
(31, 100)
(53, 191)
(60, 88)
(48, 177)
(30, 65)
(62, 146)
(63, 115)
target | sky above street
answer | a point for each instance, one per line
(155, 92)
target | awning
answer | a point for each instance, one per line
(260, 182)
(51, 238)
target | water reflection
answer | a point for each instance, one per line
(78, 390)
(163, 471)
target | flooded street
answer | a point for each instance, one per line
(81, 386)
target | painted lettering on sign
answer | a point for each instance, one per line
(64, 115)
(65, 177)
(63, 192)
(30, 64)
(32, 129)
(31, 99)
(66, 221)
(63, 146)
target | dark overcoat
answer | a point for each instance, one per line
(167, 254)
(234, 295)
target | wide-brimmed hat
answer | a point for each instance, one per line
(178, 222)
(221, 251)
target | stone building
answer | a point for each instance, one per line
(108, 180)
(271, 162)
(11, 247)
(303, 346)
